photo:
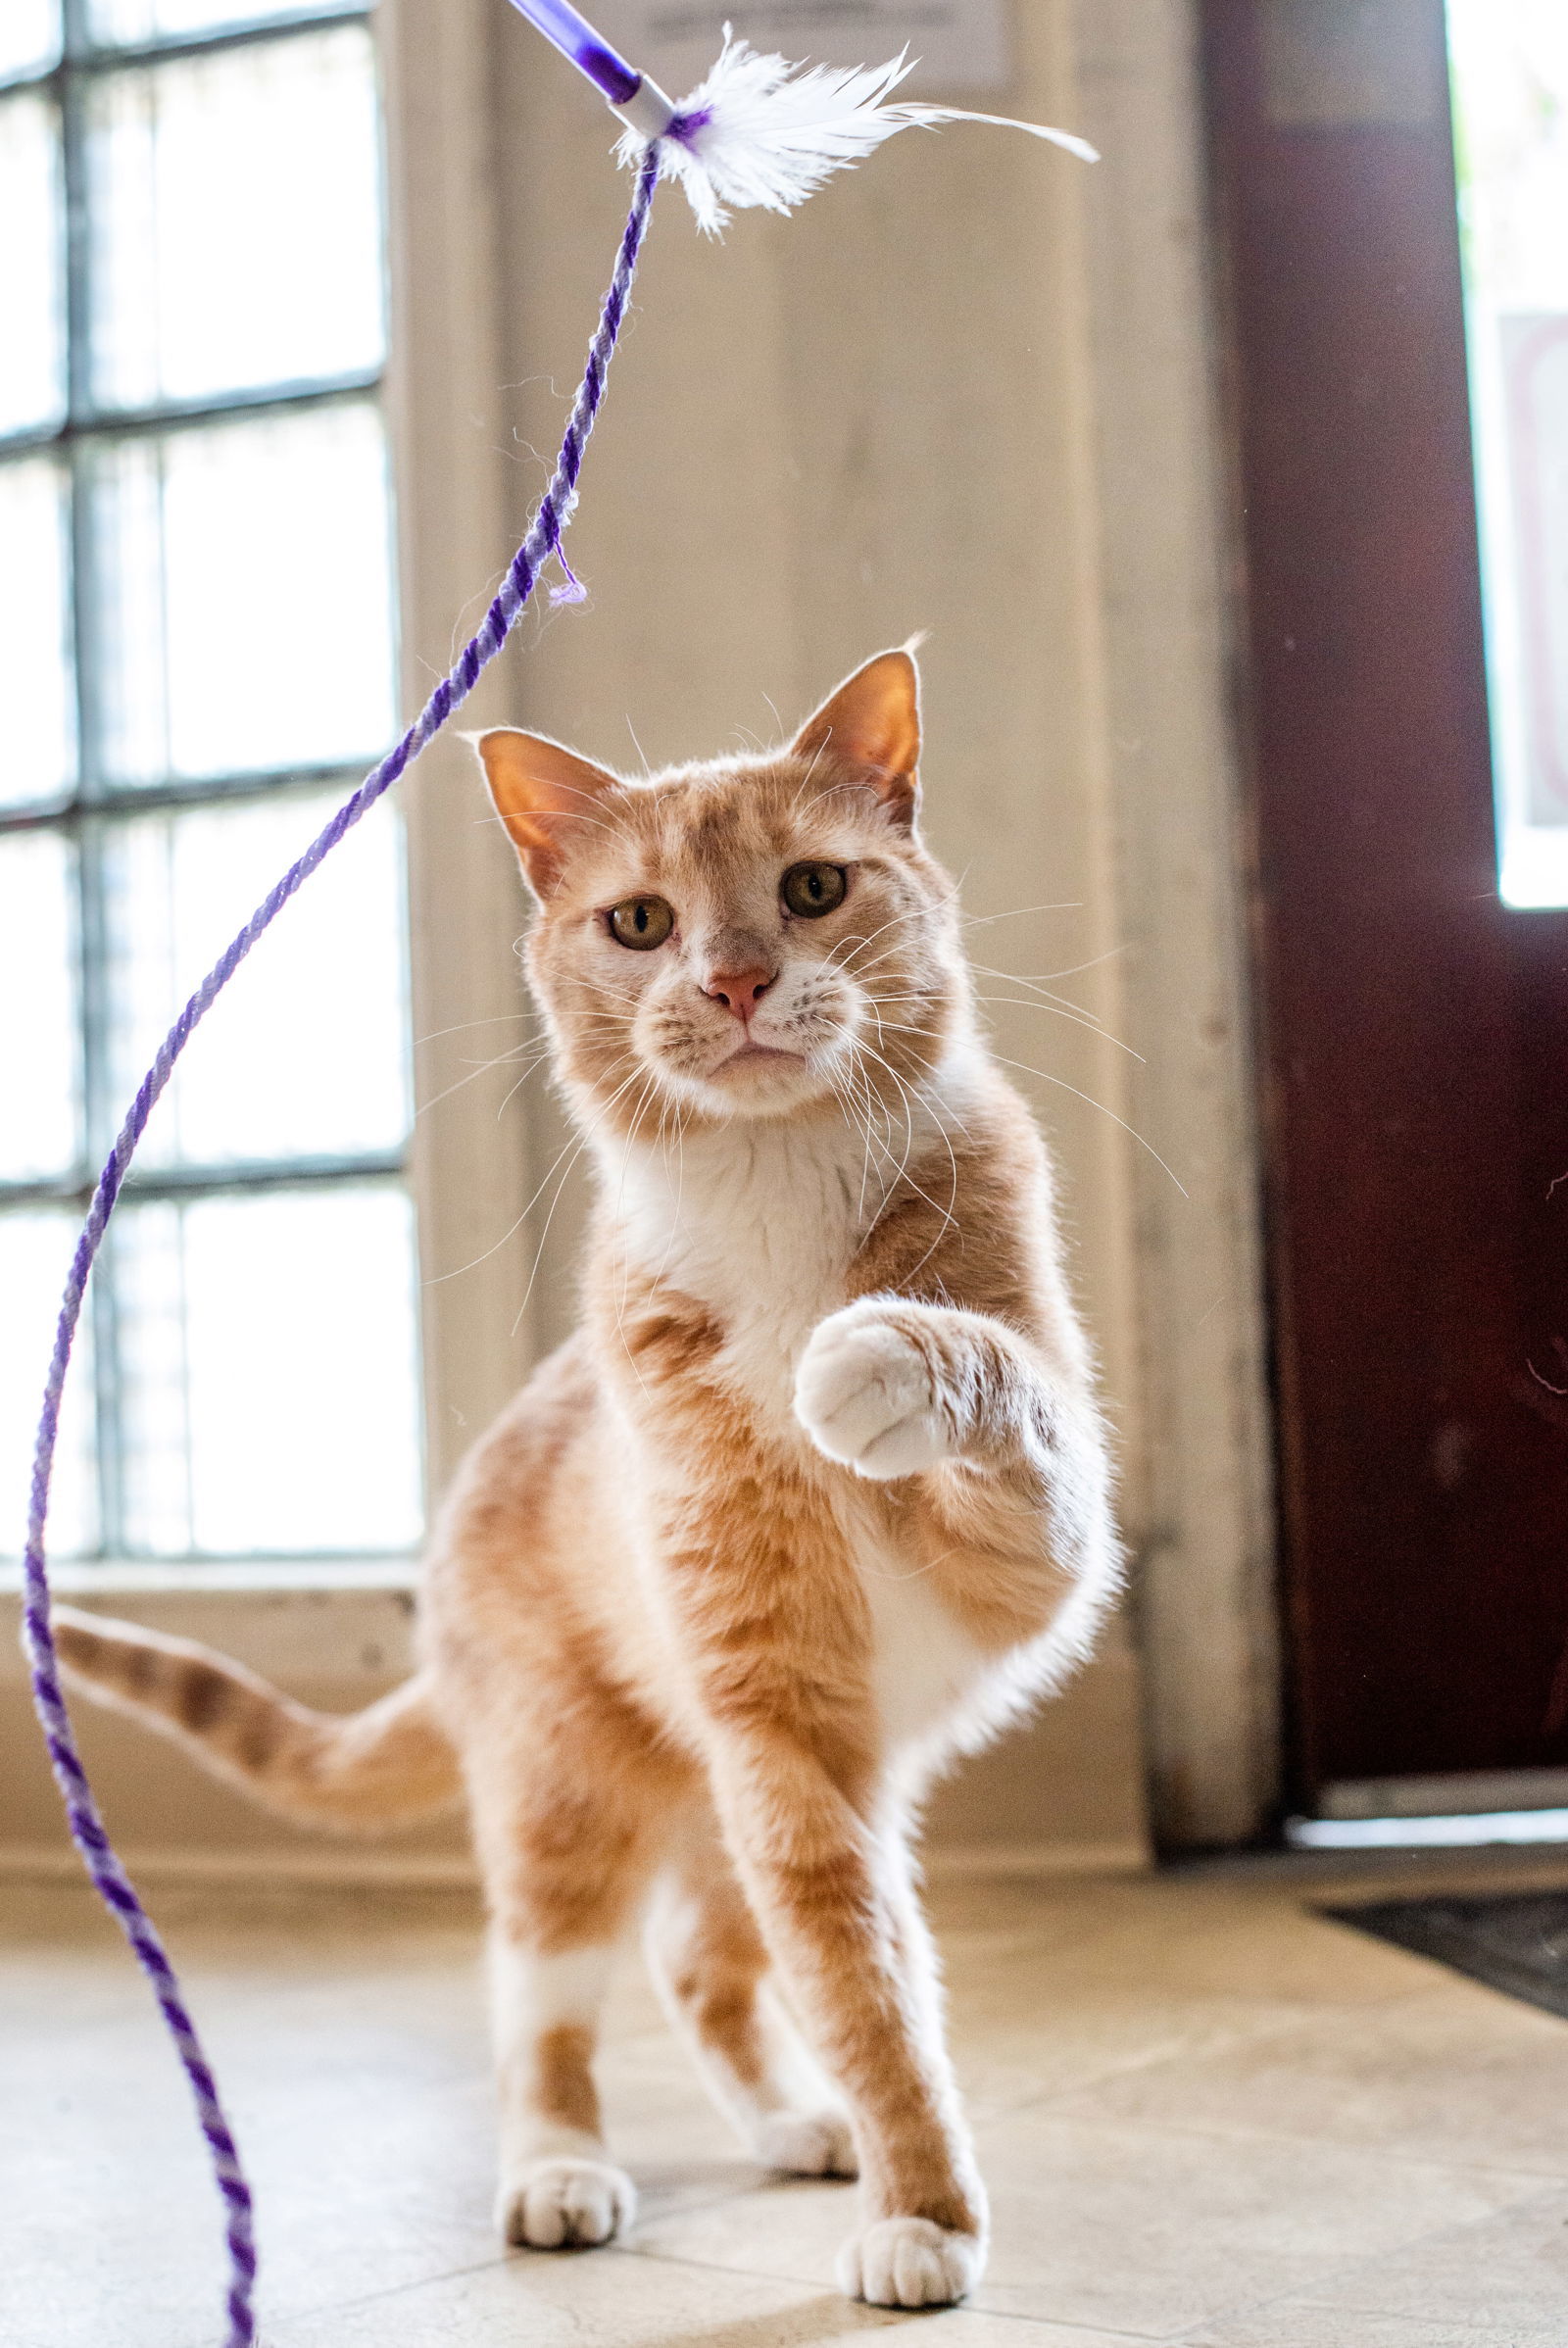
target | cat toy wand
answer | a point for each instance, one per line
(757, 132)
(636, 97)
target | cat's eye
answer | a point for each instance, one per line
(814, 889)
(641, 922)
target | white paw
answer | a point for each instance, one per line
(863, 1394)
(909, 2262)
(808, 2144)
(566, 2203)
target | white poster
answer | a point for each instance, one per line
(962, 45)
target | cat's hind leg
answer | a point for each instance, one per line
(708, 1962)
(559, 2188)
(566, 1867)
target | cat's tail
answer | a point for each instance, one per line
(361, 1770)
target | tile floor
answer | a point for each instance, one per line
(1207, 2114)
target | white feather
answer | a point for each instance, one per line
(761, 130)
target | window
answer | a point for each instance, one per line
(197, 662)
(1509, 67)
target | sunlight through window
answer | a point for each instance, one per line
(194, 500)
(1509, 65)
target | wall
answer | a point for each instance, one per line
(967, 388)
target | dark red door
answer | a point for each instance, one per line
(1413, 1031)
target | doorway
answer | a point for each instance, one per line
(1412, 1026)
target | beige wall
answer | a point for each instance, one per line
(1077, 1803)
(968, 389)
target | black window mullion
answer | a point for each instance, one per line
(92, 910)
(98, 1113)
(167, 416)
(95, 806)
(155, 799)
(186, 1184)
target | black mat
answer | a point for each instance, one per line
(1512, 1941)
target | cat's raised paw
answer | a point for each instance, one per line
(808, 2144)
(909, 2262)
(863, 1394)
(564, 2204)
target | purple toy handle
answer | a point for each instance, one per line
(637, 99)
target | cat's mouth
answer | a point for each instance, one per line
(751, 1056)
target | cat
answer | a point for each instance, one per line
(817, 1498)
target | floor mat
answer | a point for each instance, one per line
(1512, 1941)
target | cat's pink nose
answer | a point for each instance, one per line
(739, 991)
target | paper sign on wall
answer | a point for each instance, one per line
(961, 44)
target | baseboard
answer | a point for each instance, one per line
(48, 1863)
(356, 1870)
(982, 1861)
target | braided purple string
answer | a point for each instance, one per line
(103, 1865)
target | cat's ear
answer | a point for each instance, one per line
(873, 722)
(542, 793)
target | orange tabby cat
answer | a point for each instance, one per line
(815, 1499)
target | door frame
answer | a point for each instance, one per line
(1200, 1504)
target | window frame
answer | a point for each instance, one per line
(84, 814)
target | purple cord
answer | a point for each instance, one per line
(109, 1877)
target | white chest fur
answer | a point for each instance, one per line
(924, 1669)
(760, 1220)
(759, 1223)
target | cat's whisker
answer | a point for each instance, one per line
(1046, 1077)
(502, 1059)
(1020, 912)
(1070, 1012)
(800, 792)
(909, 1027)
(649, 1093)
(1035, 986)
(531, 1069)
(637, 746)
(437, 1279)
(463, 1026)
(1071, 971)
(948, 1213)
(867, 1051)
(855, 945)
(499, 822)
(836, 789)
(677, 1221)
(860, 970)
(625, 996)
(590, 1126)
(1092, 1026)
(862, 1123)
(672, 1108)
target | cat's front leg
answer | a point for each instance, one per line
(890, 1387)
(833, 1898)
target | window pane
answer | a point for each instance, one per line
(40, 1127)
(1510, 81)
(305, 1055)
(268, 1346)
(37, 752)
(236, 220)
(33, 365)
(125, 20)
(30, 36)
(35, 1248)
(246, 622)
